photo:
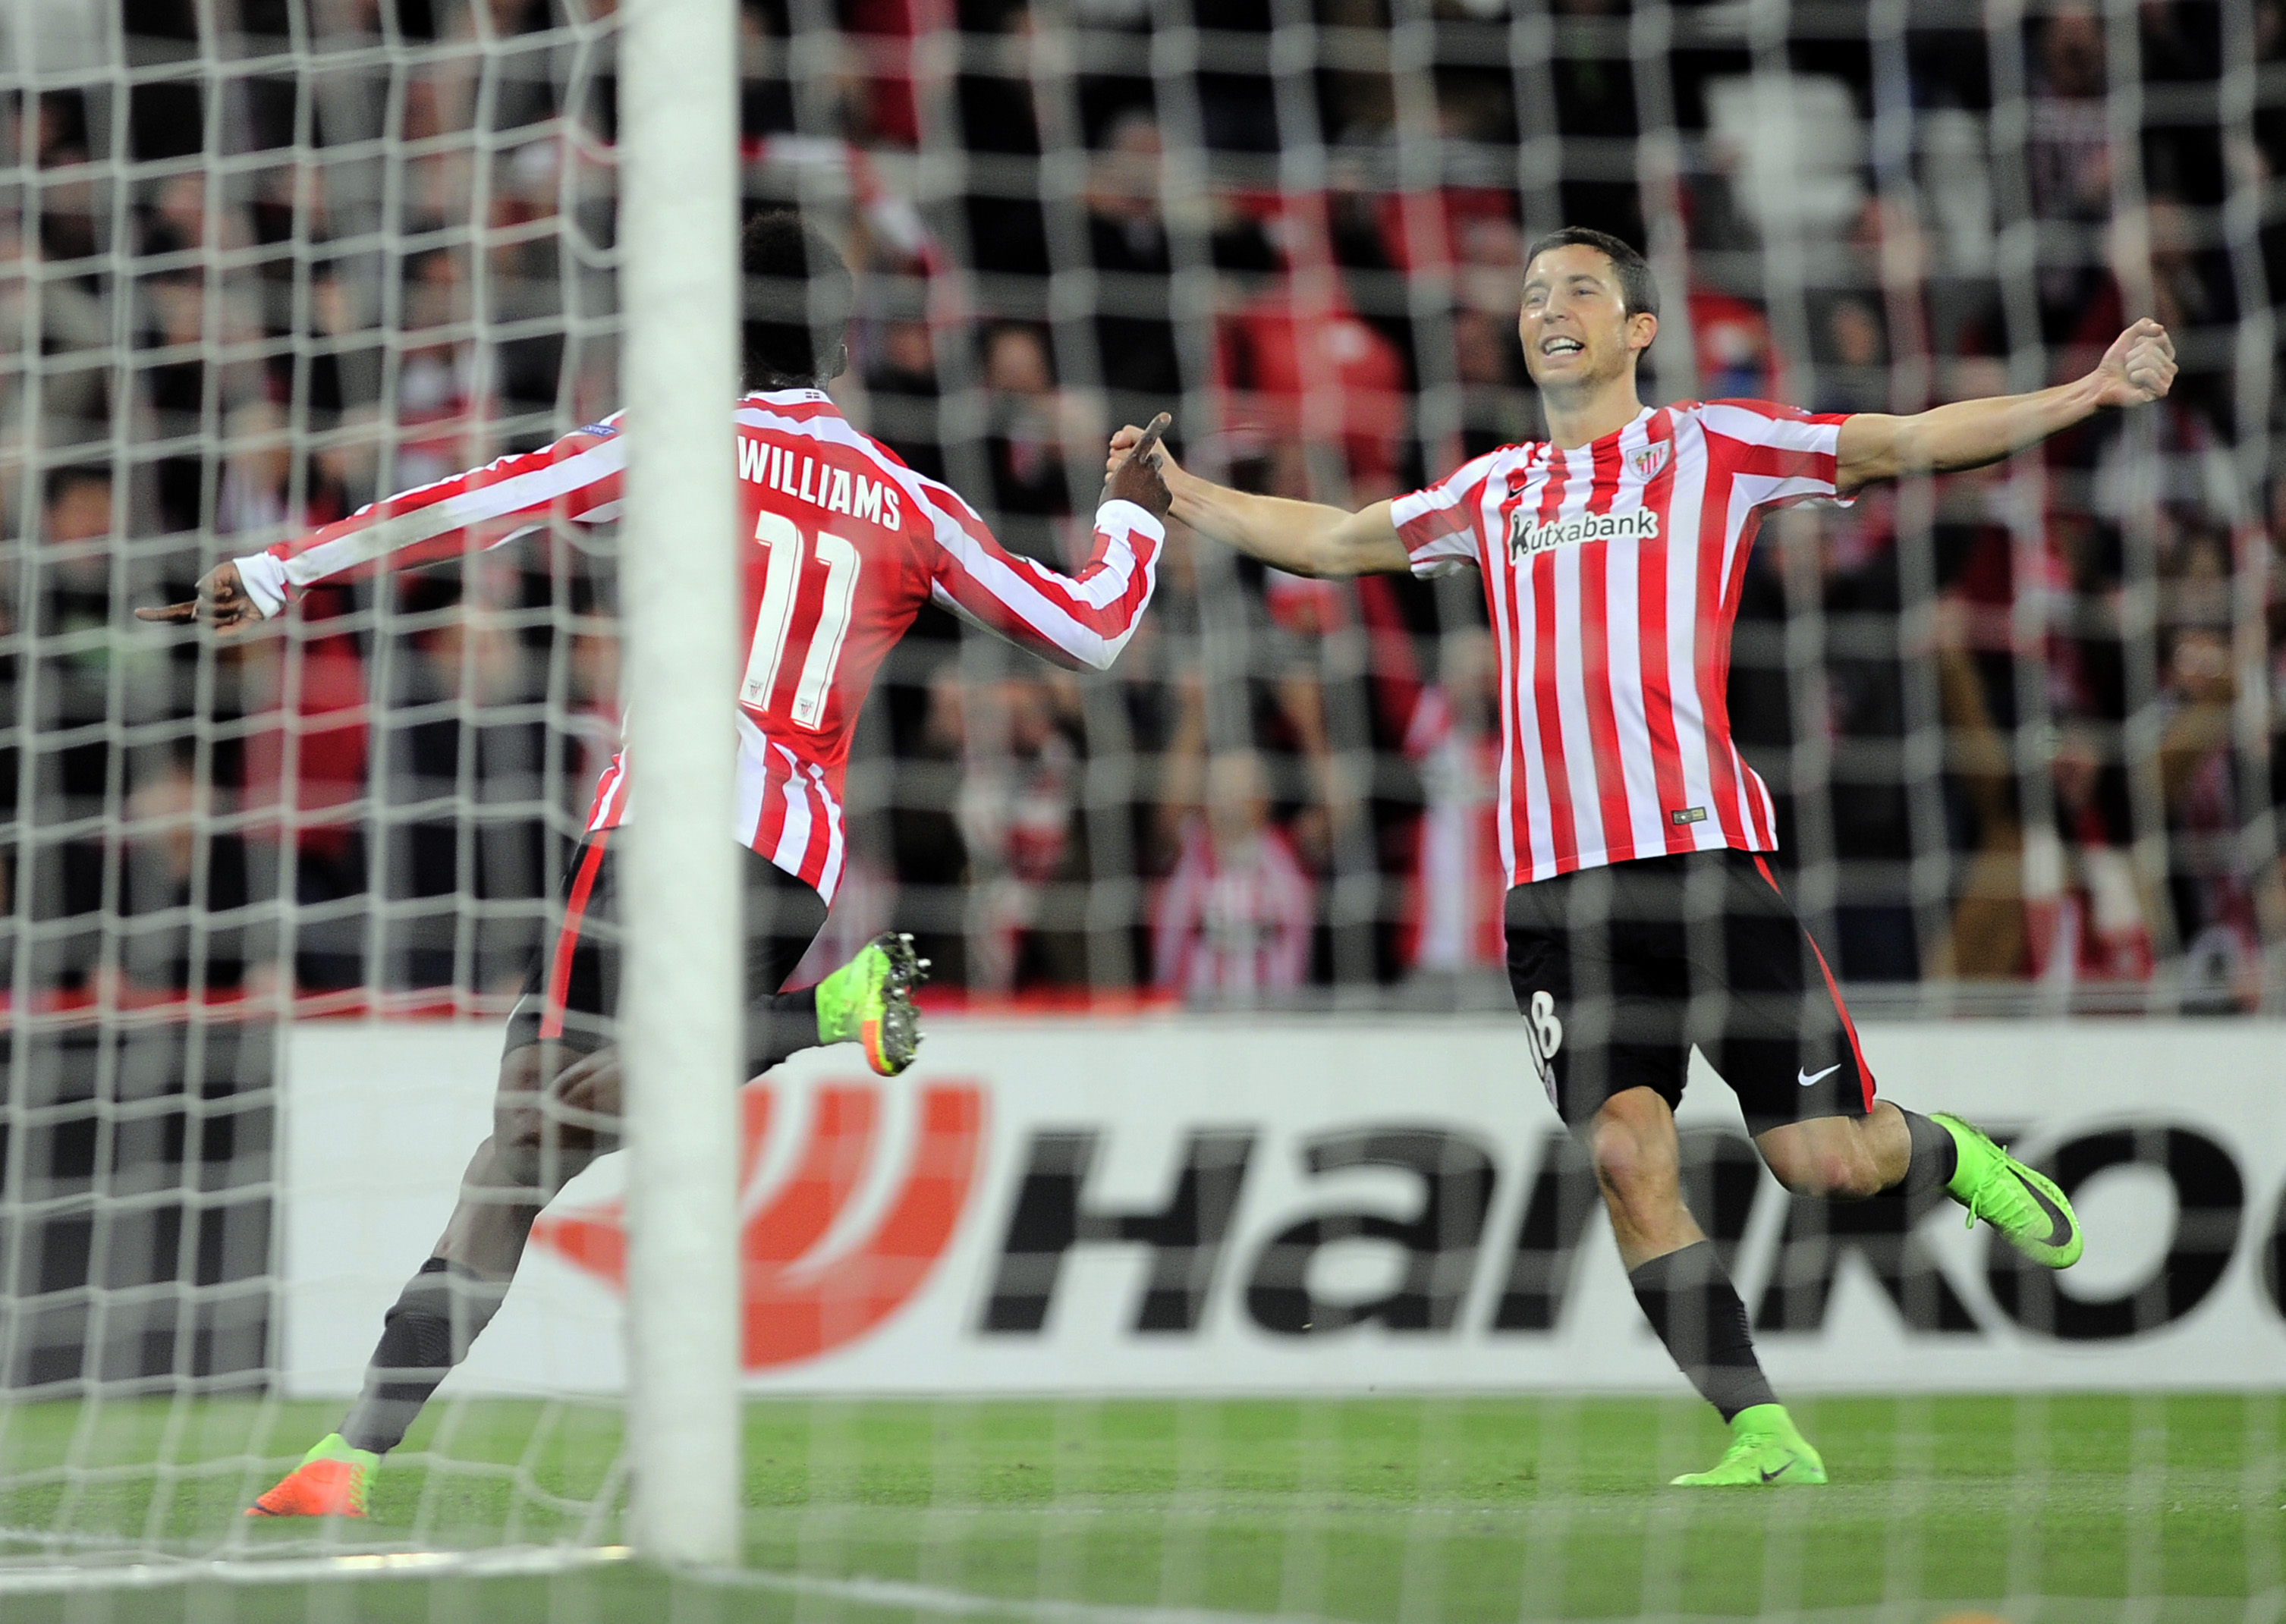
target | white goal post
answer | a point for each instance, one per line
(678, 217)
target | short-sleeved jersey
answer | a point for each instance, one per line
(842, 545)
(1612, 572)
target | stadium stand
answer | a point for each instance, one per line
(2023, 725)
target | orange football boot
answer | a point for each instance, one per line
(330, 1482)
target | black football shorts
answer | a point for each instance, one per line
(1619, 970)
(571, 993)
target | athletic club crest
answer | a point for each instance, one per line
(1647, 464)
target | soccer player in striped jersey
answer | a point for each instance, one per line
(843, 547)
(1642, 917)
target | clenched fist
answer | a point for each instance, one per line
(222, 603)
(1131, 470)
(2138, 368)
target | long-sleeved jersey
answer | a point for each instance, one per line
(843, 545)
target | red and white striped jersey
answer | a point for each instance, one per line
(1455, 919)
(843, 544)
(1612, 573)
(1232, 922)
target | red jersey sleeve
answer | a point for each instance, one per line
(1439, 522)
(1080, 620)
(1791, 454)
(576, 478)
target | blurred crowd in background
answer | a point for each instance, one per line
(262, 261)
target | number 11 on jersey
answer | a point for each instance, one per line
(782, 591)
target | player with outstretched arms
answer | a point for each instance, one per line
(843, 546)
(1642, 916)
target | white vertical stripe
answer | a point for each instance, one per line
(1495, 566)
(1735, 519)
(754, 780)
(1588, 831)
(1622, 601)
(793, 840)
(1536, 804)
(1748, 785)
(1749, 492)
(830, 879)
(1684, 497)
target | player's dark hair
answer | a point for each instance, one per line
(1637, 286)
(798, 296)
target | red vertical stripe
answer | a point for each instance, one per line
(1504, 597)
(1651, 593)
(1833, 991)
(1500, 605)
(770, 826)
(567, 937)
(821, 828)
(1596, 660)
(1758, 809)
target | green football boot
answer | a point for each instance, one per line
(2022, 1203)
(1766, 1451)
(869, 1002)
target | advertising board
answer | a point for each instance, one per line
(1286, 1204)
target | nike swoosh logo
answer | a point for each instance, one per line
(1769, 1475)
(2059, 1230)
(1807, 1078)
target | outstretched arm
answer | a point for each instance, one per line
(577, 476)
(1080, 621)
(2138, 368)
(1302, 538)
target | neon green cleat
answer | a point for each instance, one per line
(2022, 1203)
(1765, 1451)
(869, 1002)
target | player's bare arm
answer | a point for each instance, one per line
(1302, 538)
(2138, 368)
(222, 603)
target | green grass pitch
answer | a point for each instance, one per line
(1407, 1511)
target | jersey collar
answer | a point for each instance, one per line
(1636, 421)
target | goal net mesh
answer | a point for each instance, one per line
(262, 261)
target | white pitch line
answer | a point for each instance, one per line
(893, 1593)
(968, 1603)
(513, 1562)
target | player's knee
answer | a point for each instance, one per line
(1631, 1165)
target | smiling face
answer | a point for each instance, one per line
(1577, 333)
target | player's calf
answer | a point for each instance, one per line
(1839, 1158)
(1899, 1151)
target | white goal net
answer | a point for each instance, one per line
(265, 902)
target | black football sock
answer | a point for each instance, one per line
(440, 1313)
(1691, 1304)
(1935, 1156)
(780, 1026)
